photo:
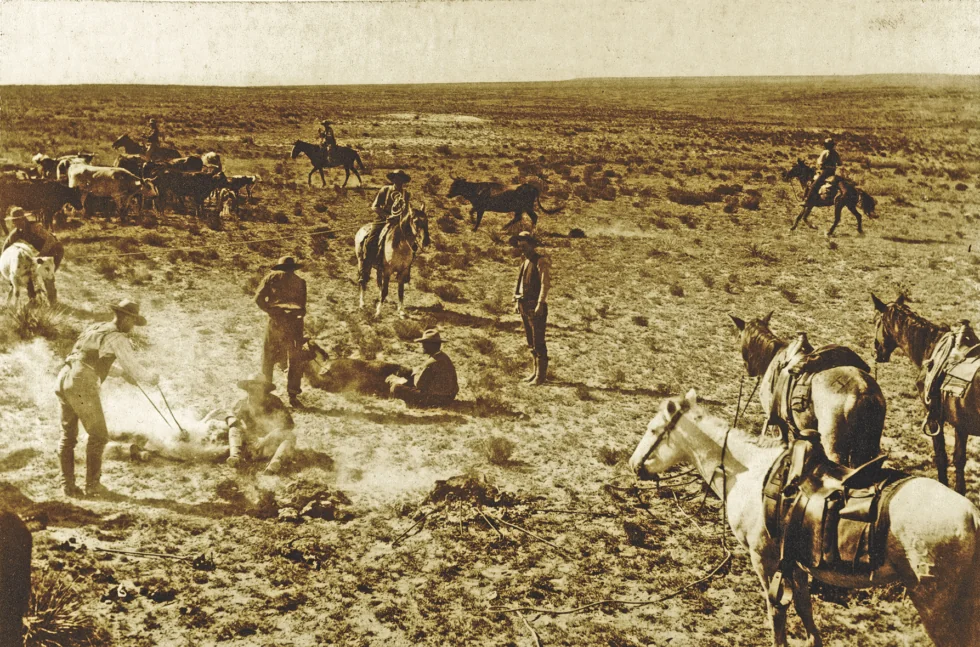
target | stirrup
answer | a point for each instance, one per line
(780, 594)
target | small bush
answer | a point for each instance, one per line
(677, 290)
(484, 346)
(447, 224)
(761, 254)
(611, 456)
(153, 239)
(448, 292)
(751, 202)
(583, 393)
(407, 330)
(498, 450)
(107, 268)
(789, 294)
(641, 321)
(444, 149)
(55, 617)
(961, 187)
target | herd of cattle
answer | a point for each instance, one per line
(58, 186)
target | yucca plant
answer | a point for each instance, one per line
(55, 617)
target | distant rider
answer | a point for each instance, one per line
(326, 138)
(827, 165)
(153, 136)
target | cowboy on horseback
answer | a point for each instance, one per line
(326, 138)
(153, 136)
(391, 203)
(827, 165)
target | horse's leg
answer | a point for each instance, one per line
(358, 175)
(803, 214)
(777, 615)
(361, 279)
(857, 216)
(385, 279)
(309, 178)
(804, 606)
(346, 177)
(513, 221)
(479, 217)
(959, 459)
(401, 296)
(323, 179)
(838, 207)
(534, 218)
(939, 448)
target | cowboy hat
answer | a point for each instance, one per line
(399, 174)
(524, 237)
(153, 121)
(256, 381)
(16, 214)
(287, 264)
(430, 336)
(828, 142)
(130, 309)
(326, 122)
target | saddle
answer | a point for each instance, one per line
(950, 370)
(828, 188)
(826, 517)
(792, 383)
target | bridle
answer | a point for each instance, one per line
(668, 426)
(883, 349)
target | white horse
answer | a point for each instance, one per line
(21, 265)
(396, 253)
(933, 543)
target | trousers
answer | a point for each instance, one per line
(534, 326)
(79, 393)
(283, 344)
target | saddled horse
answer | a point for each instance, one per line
(846, 407)
(396, 253)
(846, 194)
(933, 537)
(153, 154)
(340, 156)
(896, 326)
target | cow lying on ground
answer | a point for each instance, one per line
(44, 197)
(109, 182)
(345, 374)
(15, 578)
(24, 271)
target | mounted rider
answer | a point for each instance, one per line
(827, 165)
(391, 203)
(152, 136)
(326, 138)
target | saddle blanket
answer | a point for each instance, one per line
(828, 188)
(826, 516)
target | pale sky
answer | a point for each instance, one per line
(366, 41)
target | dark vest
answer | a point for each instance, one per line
(89, 349)
(529, 281)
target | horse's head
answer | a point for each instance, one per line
(656, 453)
(885, 340)
(420, 224)
(122, 141)
(297, 149)
(756, 341)
(800, 171)
(457, 187)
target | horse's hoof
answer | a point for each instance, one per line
(860, 232)
(829, 234)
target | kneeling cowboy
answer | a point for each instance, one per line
(260, 426)
(79, 391)
(434, 383)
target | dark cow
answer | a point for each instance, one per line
(344, 374)
(44, 197)
(492, 196)
(191, 164)
(15, 578)
(46, 166)
(195, 186)
(110, 182)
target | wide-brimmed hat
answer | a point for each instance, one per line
(153, 121)
(399, 175)
(287, 264)
(130, 309)
(17, 214)
(524, 237)
(828, 142)
(430, 336)
(256, 381)
(326, 122)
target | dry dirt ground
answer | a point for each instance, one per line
(662, 176)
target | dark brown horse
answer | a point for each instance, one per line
(846, 405)
(846, 194)
(340, 156)
(896, 326)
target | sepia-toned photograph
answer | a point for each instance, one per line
(503, 323)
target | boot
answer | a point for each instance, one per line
(68, 473)
(534, 372)
(542, 372)
(93, 469)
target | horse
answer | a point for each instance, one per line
(396, 252)
(846, 195)
(15, 577)
(846, 406)
(933, 541)
(340, 156)
(152, 154)
(896, 326)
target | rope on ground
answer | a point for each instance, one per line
(312, 231)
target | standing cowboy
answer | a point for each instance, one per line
(260, 426)
(326, 138)
(282, 295)
(531, 295)
(392, 201)
(34, 235)
(79, 389)
(827, 165)
(433, 384)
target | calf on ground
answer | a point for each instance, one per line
(345, 374)
(15, 578)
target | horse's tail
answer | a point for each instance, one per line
(357, 159)
(550, 212)
(867, 203)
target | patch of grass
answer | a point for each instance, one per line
(107, 268)
(447, 224)
(498, 450)
(484, 346)
(677, 290)
(153, 239)
(584, 393)
(641, 321)
(759, 253)
(611, 456)
(448, 292)
(790, 294)
(34, 319)
(55, 617)
(407, 330)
